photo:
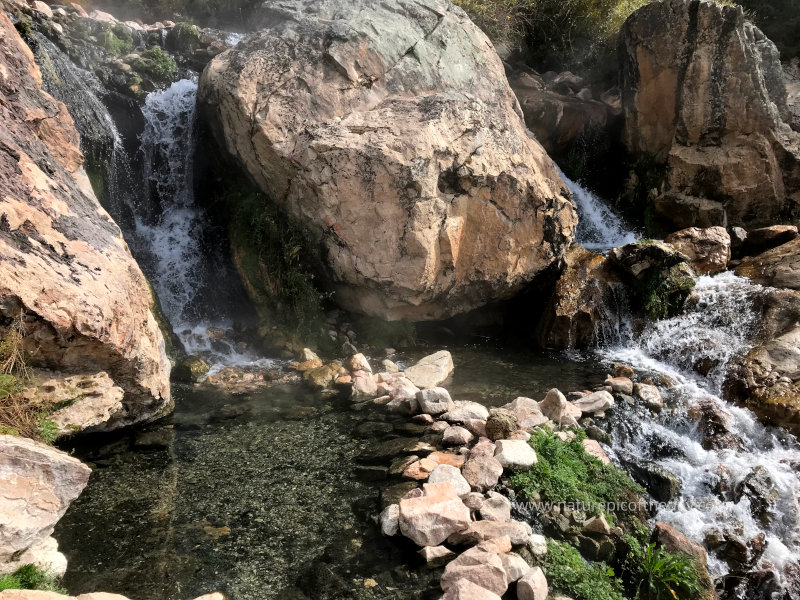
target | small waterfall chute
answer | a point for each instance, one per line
(598, 227)
(195, 286)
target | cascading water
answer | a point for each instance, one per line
(598, 227)
(188, 272)
(714, 328)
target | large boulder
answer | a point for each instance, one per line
(68, 282)
(37, 485)
(779, 267)
(390, 132)
(767, 378)
(703, 97)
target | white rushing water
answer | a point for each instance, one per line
(715, 327)
(181, 266)
(598, 227)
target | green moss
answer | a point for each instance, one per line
(276, 257)
(28, 577)
(183, 38)
(113, 44)
(172, 344)
(24, 29)
(567, 572)
(662, 293)
(566, 473)
(97, 181)
(157, 64)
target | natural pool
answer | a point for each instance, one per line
(262, 495)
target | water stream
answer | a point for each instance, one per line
(598, 227)
(715, 327)
(262, 494)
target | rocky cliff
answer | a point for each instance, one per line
(66, 276)
(391, 133)
(704, 100)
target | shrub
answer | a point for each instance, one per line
(565, 473)
(660, 575)
(554, 33)
(28, 577)
(566, 571)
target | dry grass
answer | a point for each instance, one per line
(19, 414)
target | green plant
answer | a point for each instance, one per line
(661, 575)
(47, 430)
(567, 572)
(157, 64)
(277, 257)
(566, 473)
(113, 44)
(28, 577)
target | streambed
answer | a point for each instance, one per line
(262, 495)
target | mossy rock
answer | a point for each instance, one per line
(113, 44)
(184, 39)
(156, 64)
(662, 294)
(190, 369)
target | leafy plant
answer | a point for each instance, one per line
(566, 571)
(47, 430)
(29, 577)
(663, 575)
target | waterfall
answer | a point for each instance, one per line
(598, 227)
(196, 287)
(714, 328)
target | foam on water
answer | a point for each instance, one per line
(598, 227)
(715, 327)
(180, 264)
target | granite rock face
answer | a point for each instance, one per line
(66, 275)
(37, 485)
(703, 95)
(390, 132)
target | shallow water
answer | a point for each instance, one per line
(262, 495)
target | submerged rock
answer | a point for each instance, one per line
(83, 304)
(389, 130)
(703, 95)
